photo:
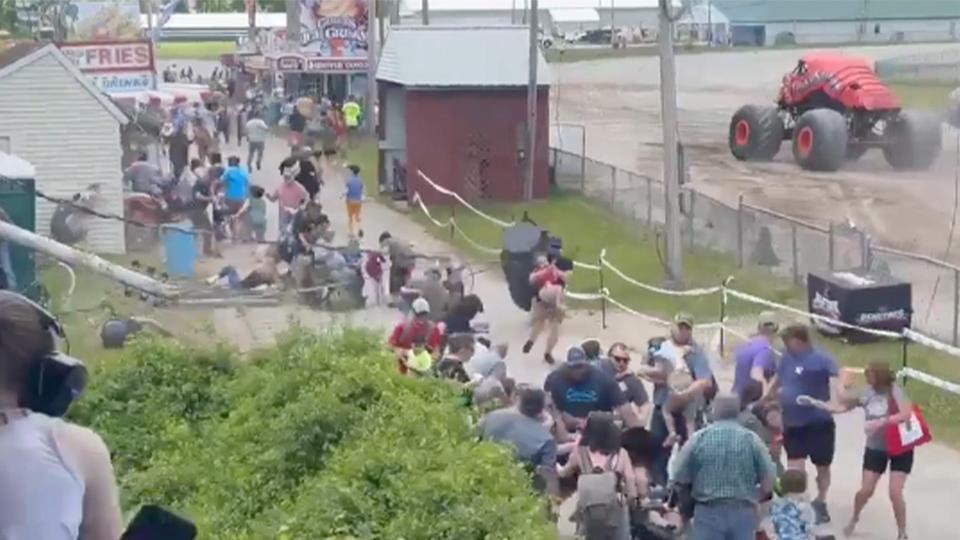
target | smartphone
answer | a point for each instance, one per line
(155, 523)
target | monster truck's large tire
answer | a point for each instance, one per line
(820, 140)
(756, 133)
(912, 141)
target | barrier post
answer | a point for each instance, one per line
(691, 198)
(830, 250)
(905, 362)
(613, 188)
(956, 305)
(649, 202)
(723, 315)
(740, 231)
(603, 294)
(796, 255)
(453, 218)
(583, 162)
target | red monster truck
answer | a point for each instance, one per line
(834, 108)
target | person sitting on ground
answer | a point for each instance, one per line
(266, 272)
(58, 482)
(577, 388)
(460, 349)
(521, 428)
(547, 308)
(419, 360)
(791, 515)
(600, 451)
(489, 362)
(418, 323)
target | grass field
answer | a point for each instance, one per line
(193, 50)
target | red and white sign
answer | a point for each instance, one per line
(110, 56)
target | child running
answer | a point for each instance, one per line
(254, 211)
(354, 197)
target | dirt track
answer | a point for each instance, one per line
(618, 101)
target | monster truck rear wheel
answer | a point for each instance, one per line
(756, 133)
(820, 140)
(913, 141)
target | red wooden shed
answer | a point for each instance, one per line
(453, 104)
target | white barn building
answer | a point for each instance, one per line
(52, 116)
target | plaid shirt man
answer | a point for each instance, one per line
(724, 462)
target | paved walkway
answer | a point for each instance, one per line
(930, 490)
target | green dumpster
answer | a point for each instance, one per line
(18, 199)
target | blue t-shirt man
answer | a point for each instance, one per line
(805, 372)
(578, 388)
(236, 180)
(757, 353)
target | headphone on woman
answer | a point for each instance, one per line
(54, 379)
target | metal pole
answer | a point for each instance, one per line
(796, 257)
(740, 231)
(613, 33)
(292, 79)
(649, 202)
(513, 12)
(831, 239)
(150, 33)
(372, 55)
(613, 188)
(532, 101)
(668, 104)
(603, 296)
(905, 360)
(583, 160)
(692, 195)
(425, 12)
(956, 305)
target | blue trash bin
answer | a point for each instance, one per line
(180, 249)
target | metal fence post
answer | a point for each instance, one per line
(453, 218)
(796, 254)
(904, 359)
(740, 231)
(830, 246)
(613, 188)
(864, 250)
(956, 305)
(691, 198)
(603, 294)
(583, 160)
(649, 202)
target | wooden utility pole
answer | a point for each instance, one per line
(671, 165)
(425, 11)
(532, 101)
(74, 257)
(372, 56)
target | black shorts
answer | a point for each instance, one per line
(876, 461)
(814, 441)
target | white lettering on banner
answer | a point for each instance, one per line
(113, 83)
(882, 317)
(132, 55)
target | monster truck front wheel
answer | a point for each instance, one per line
(912, 141)
(756, 133)
(820, 140)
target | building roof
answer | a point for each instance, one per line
(222, 21)
(468, 56)
(701, 14)
(754, 11)
(574, 15)
(14, 167)
(19, 57)
(507, 5)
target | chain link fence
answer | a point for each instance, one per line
(760, 237)
(941, 68)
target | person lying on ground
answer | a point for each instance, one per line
(265, 272)
(577, 388)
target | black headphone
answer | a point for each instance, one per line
(54, 379)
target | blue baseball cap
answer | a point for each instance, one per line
(576, 356)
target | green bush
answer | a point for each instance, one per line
(315, 438)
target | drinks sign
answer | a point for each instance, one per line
(114, 66)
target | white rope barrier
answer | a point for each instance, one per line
(921, 339)
(911, 373)
(668, 292)
(586, 266)
(472, 242)
(462, 201)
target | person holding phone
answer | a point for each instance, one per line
(58, 482)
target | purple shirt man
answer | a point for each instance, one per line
(756, 355)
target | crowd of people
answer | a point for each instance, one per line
(684, 455)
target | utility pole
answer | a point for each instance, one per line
(671, 166)
(532, 101)
(425, 11)
(613, 25)
(291, 80)
(150, 23)
(372, 55)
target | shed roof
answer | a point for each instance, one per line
(20, 56)
(469, 56)
(574, 15)
(12, 166)
(754, 11)
(507, 5)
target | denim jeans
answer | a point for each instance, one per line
(254, 149)
(735, 520)
(9, 280)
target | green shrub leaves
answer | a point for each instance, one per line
(315, 438)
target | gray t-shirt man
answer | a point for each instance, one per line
(532, 442)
